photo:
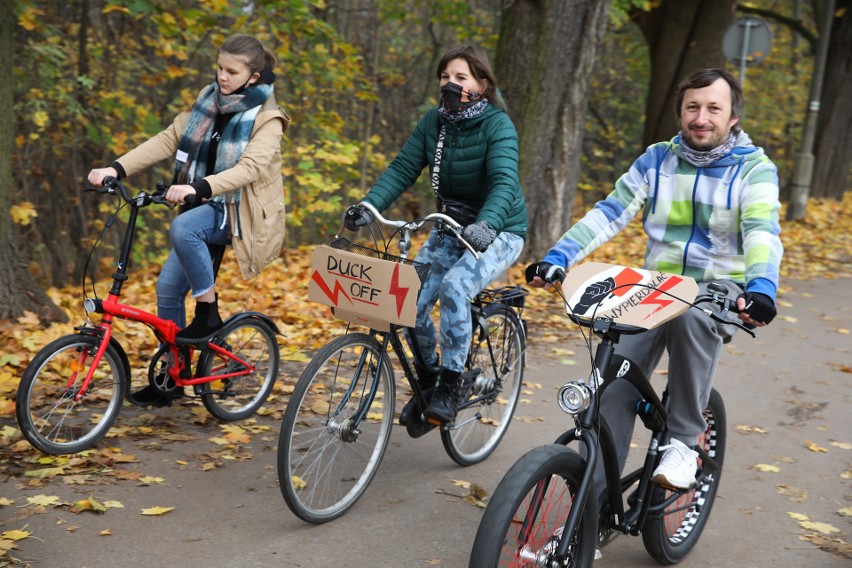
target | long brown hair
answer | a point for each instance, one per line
(480, 68)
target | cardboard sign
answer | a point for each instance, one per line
(629, 296)
(364, 290)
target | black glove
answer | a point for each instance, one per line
(759, 307)
(356, 217)
(479, 235)
(550, 273)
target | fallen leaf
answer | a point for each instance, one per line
(297, 482)
(841, 445)
(105, 532)
(751, 429)
(767, 468)
(822, 528)
(15, 534)
(815, 447)
(845, 512)
(43, 500)
(89, 504)
(154, 511)
(793, 493)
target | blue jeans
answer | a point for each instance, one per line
(189, 265)
(455, 278)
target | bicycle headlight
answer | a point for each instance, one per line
(574, 397)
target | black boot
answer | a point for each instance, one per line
(444, 405)
(205, 323)
(152, 396)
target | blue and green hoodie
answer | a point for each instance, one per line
(709, 223)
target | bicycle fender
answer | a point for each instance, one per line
(253, 315)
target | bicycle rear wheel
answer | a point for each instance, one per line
(497, 348)
(525, 518)
(671, 534)
(238, 397)
(49, 416)
(325, 460)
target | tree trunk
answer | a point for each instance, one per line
(545, 55)
(18, 289)
(832, 174)
(683, 36)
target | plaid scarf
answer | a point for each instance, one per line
(191, 162)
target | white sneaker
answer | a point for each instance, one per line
(677, 467)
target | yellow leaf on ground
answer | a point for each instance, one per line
(751, 429)
(815, 447)
(767, 468)
(89, 504)
(822, 528)
(156, 511)
(842, 330)
(15, 534)
(298, 482)
(845, 511)
(105, 532)
(842, 445)
(43, 500)
(797, 516)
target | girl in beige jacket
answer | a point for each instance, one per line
(227, 157)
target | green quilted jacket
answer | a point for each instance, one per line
(479, 166)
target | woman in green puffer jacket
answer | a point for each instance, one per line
(470, 146)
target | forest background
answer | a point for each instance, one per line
(588, 83)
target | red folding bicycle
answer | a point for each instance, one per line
(73, 389)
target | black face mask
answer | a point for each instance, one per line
(451, 95)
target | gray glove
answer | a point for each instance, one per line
(479, 235)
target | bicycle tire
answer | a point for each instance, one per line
(49, 417)
(483, 425)
(323, 466)
(499, 538)
(671, 535)
(237, 398)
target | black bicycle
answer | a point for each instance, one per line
(338, 422)
(544, 512)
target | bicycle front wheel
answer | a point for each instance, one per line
(237, 395)
(525, 518)
(49, 413)
(331, 441)
(497, 348)
(672, 533)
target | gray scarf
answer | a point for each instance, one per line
(702, 158)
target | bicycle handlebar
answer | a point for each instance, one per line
(414, 226)
(113, 186)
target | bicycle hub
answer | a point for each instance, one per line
(574, 397)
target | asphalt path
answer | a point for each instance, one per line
(787, 395)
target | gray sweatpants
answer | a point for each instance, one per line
(694, 344)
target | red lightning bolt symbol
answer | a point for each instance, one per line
(397, 290)
(328, 292)
(655, 296)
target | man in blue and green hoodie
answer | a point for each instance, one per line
(709, 203)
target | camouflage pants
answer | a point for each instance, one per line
(455, 278)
